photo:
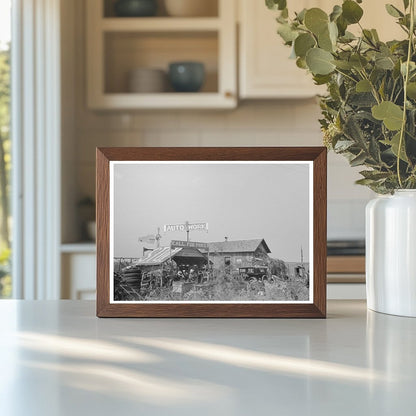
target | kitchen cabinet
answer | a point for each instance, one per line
(78, 263)
(118, 45)
(265, 70)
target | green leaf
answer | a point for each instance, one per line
(365, 182)
(333, 32)
(406, 4)
(336, 12)
(384, 62)
(363, 86)
(391, 114)
(358, 61)
(343, 145)
(352, 12)
(316, 20)
(301, 63)
(276, 4)
(374, 175)
(347, 37)
(362, 99)
(358, 160)
(287, 33)
(411, 90)
(325, 42)
(320, 61)
(393, 11)
(303, 43)
(375, 35)
(345, 65)
(412, 67)
(321, 79)
(301, 15)
(374, 150)
(368, 36)
(342, 25)
(354, 132)
(394, 145)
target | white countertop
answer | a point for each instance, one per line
(56, 358)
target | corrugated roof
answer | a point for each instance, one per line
(162, 254)
(157, 256)
(238, 246)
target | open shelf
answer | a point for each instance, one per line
(211, 9)
(119, 45)
(168, 100)
(127, 51)
(87, 247)
(160, 24)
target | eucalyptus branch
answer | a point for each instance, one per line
(398, 95)
(353, 116)
(406, 80)
(373, 88)
(392, 91)
(346, 75)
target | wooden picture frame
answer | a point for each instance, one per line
(313, 307)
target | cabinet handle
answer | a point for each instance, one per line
(229, 94)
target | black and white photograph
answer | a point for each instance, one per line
(190, 231)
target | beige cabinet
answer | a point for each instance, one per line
(376, 17)
(78, 263)
(265, 70)
(116, 46)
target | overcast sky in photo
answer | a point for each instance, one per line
(240, 201)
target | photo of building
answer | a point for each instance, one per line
(239, 253)
(198, 261)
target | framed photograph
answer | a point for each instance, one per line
(211, 232)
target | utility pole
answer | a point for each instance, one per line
(158, 237)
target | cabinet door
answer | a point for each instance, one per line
(78, 276)
(265, 68)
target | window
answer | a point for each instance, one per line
(5, 145)
(227, 261)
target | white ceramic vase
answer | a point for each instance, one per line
(391, 253)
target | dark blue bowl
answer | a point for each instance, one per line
(135, 8)
(187, 76)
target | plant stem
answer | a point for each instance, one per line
(346, 75)
(373, 88)
(406, 80)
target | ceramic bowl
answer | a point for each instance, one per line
(135, 8)
(147, 80)
(186, 76)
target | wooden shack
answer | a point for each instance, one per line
(239, 253)
(181, 256)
